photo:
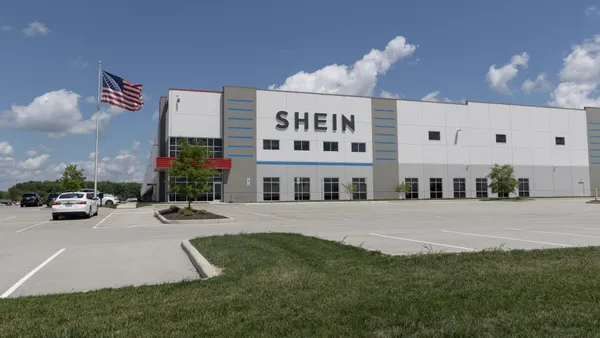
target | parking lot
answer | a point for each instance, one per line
(131, 247)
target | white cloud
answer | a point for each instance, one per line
(6, 148)
(389, 95)
(592, 11)
(31, 152)
(433, 97)
(44, 148)
(5, 28)
(6, 162)
(55, 113)
(90, 99)
(155, 115)
(540, 85)
(136, 145)
(358, 79)
(34, 163)
(580, 76)
(36, 28)
(79, 63)
(498, 78)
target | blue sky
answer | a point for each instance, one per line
(208, 44)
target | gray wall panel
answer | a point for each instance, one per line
(239, 143)
(593, 126)
(385, 148)
(543, 180)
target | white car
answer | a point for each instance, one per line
(107, 199)
(74, 204)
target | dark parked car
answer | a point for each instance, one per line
(32, 199)
(51, 198)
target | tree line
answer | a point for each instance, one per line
(72, 180)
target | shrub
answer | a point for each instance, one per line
(186, 212)
(174, 208)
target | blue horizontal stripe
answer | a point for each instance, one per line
(385, 159)
(386, 127)
(595, 156)
(385, 151)
(240, 118)
(239, 156)
(594, 136)
(598, 123)
(385, 142)
(238, 100)
(385, 134)
(240, 128)
(241, 137)
(594, 129)
(234, 146)
(336, 164)
(241, 110)
(595, 162)
(385, 110)
(594, 149)
(385, 118)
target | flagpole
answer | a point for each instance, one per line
(97, 127)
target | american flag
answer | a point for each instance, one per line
(121, 93)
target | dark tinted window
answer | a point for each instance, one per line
(28, 195)
(434, 136)
(65, 196)
(560, 141)
(500, 138)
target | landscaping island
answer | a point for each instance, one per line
(282, 285)
(175, 213)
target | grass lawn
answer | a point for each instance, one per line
(281, 285)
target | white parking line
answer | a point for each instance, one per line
(29, 227)
(335, 217)
(424, 242)
(132, 213)
(596, 229)
(24, 279)
(501, 237)
(104, 219)
(554, 233)
(264, 215)
(7, 218)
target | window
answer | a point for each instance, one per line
(211, 195)
(481, 187)
(360, 193)
(523, 187)
(560, 141)
(434, 136)
(435, 188)
(414, 188)
(302, 188)
(460, 188)
(214, 146)
(302, 145)
(271, 188)
(331, 188)
(500, 138)
(271, 144)
(330, 146)
(359, 147)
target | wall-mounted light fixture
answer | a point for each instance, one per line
(456, 136)
(177, 103)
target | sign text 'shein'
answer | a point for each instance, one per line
(319, 121)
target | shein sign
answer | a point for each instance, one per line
(319, 121)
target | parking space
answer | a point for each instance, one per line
(131, 247)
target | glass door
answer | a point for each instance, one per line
(218, 191)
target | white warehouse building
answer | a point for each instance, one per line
(282, 146)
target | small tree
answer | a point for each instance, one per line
(403, 188)
(14, 194)
(72, 178)
(503, 180)
(350, 189)
(192, 163)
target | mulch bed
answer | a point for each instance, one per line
(173, 214)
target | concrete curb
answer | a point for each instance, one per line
(309, 202)
(195, 221)
(205, 269)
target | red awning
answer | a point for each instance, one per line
(219, 163)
